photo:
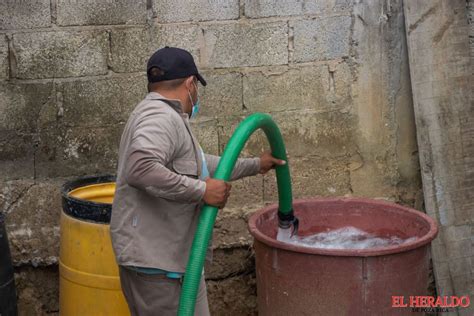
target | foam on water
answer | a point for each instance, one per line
(342, 238)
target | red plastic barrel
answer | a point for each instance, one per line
(295, 280)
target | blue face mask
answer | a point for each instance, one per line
(195, 110)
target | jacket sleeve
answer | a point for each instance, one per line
(152, 147)
(244, 167)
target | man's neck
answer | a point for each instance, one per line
(172, 95)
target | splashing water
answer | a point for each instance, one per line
(342, 238)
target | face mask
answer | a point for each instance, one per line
(195, 110)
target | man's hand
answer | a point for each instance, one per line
(267, 162)
(217, 192)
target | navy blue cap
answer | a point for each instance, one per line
(173, 63)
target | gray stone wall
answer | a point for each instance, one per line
(333, 74)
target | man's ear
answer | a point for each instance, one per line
(189, 82)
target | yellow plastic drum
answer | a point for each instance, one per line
(89, 281)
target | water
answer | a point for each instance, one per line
(342, 238)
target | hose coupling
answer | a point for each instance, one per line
(287, 220)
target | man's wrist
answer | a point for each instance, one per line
(204, 184)
(198, 190)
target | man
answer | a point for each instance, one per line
(163, 179)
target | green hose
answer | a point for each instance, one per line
(208, 213)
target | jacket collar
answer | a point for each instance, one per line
(175, 104)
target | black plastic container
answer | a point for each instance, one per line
(7, 283)
(83, 209)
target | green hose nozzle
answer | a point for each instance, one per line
(208, 214)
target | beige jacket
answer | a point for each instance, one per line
(159, 194)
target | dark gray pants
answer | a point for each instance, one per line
(151, 295)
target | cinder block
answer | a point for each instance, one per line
(60, 54)
(311, 177)
(4, 63)
(246, 192)
(17, 155)
(312, 88)
(101, 12)
(255, 144)
(182, 36)
(230, 229)
(340, 5)
(205, 131)
(238, 44)
(99, 102)
(198, 10)
(26, 107)
(326, 135)
(233, 296)
(321, 38)
(78, 151)
(12, 191)
(222, 96)
(17, 14)
(266, 8)
(32, 220)
(367, 166)
(129, 49)
(305, 133)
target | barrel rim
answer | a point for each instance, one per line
(372, 252)
(83, 209)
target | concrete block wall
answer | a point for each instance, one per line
(333, 74)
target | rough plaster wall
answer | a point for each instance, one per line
(382, 103)
(332, 73)
(441, 71)
(470, 18)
